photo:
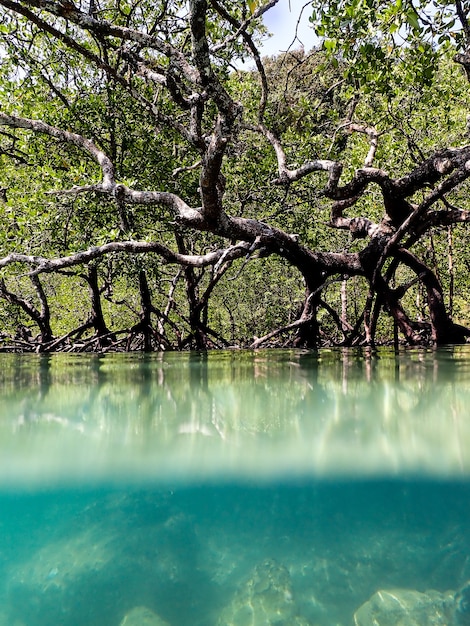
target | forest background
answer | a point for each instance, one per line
(164, 186)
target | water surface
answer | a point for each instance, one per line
(242, 415)
(252, 488)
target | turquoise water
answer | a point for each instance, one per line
(235, 489)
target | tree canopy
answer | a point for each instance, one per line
(165, 186)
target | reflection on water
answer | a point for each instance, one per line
(281, 488)
(238, 414)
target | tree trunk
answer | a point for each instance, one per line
(146, 310)
(96, 315)
(344, 305)
(443, 330)
(450, 259)
(44, 317)
(40, 317)
(144, 326)
(307, 335)
(196, 310)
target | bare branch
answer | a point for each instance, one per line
(69, 11)
(287, 176)
(44, 265)
(108, 185)
(241, 30)
(206, 75)
(373, 136)
(211, 181)
(463, 20)
(448, 217)
(37, 126)
(241, 27)
(188, 168)
(283, 329)
(359, 227)
(69, 41)
(447, 185)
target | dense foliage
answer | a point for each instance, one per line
(163, 186)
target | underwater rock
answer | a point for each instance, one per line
(142, 616)
(264, 600)
(462, 606)
(405, 607)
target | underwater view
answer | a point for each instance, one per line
(244, 489)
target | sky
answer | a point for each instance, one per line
(281, 20)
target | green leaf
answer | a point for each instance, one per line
(330, 45)
(412, 19)
(252, 5)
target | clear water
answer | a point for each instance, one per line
(231, 489)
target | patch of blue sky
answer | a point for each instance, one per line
(288, 23)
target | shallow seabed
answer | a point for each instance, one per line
(227, 554)
(167, 490)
